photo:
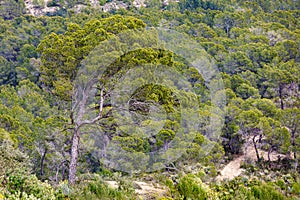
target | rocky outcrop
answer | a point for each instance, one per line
(114, 5)
(39, 7)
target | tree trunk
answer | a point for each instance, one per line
(269, 157)
(61, 165)
(256, 150)
(42, 162)
(294, 145)
(166, 145)
(227, 30)
(105, 144)
(269, 153)
(74, 157)
(281, 97)
(79, 122)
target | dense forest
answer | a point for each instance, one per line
(188, 99)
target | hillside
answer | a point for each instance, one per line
(149, 99)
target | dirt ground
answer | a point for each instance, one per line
(233, 168)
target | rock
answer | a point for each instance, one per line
(42, 8)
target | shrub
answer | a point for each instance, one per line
(191, 187)
(296, 188)
(97, 189)
(266, 192)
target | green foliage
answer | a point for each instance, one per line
(266, 192)
(60, 69)
(15, 175)
(249, 189)
(10, 9)
(31, 125)
(191, 187)
(12, 160)
(30, 186)
(254, 43)
(98, 189)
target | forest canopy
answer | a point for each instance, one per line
(169, 93)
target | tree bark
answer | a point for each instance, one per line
(79, 122)
(269, 156)
(74, 157)
(61, 165)
(105, 144)
(272, 148)
(42, 162)
(294, 145)
(256, 150)
(281, 97)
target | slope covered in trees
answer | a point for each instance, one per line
(90, 97)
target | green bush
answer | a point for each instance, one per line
(296, 188)
(21, 186)
(266, 192)
(191, 187)
(97, 189)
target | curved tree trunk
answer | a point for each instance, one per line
(256, 150)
